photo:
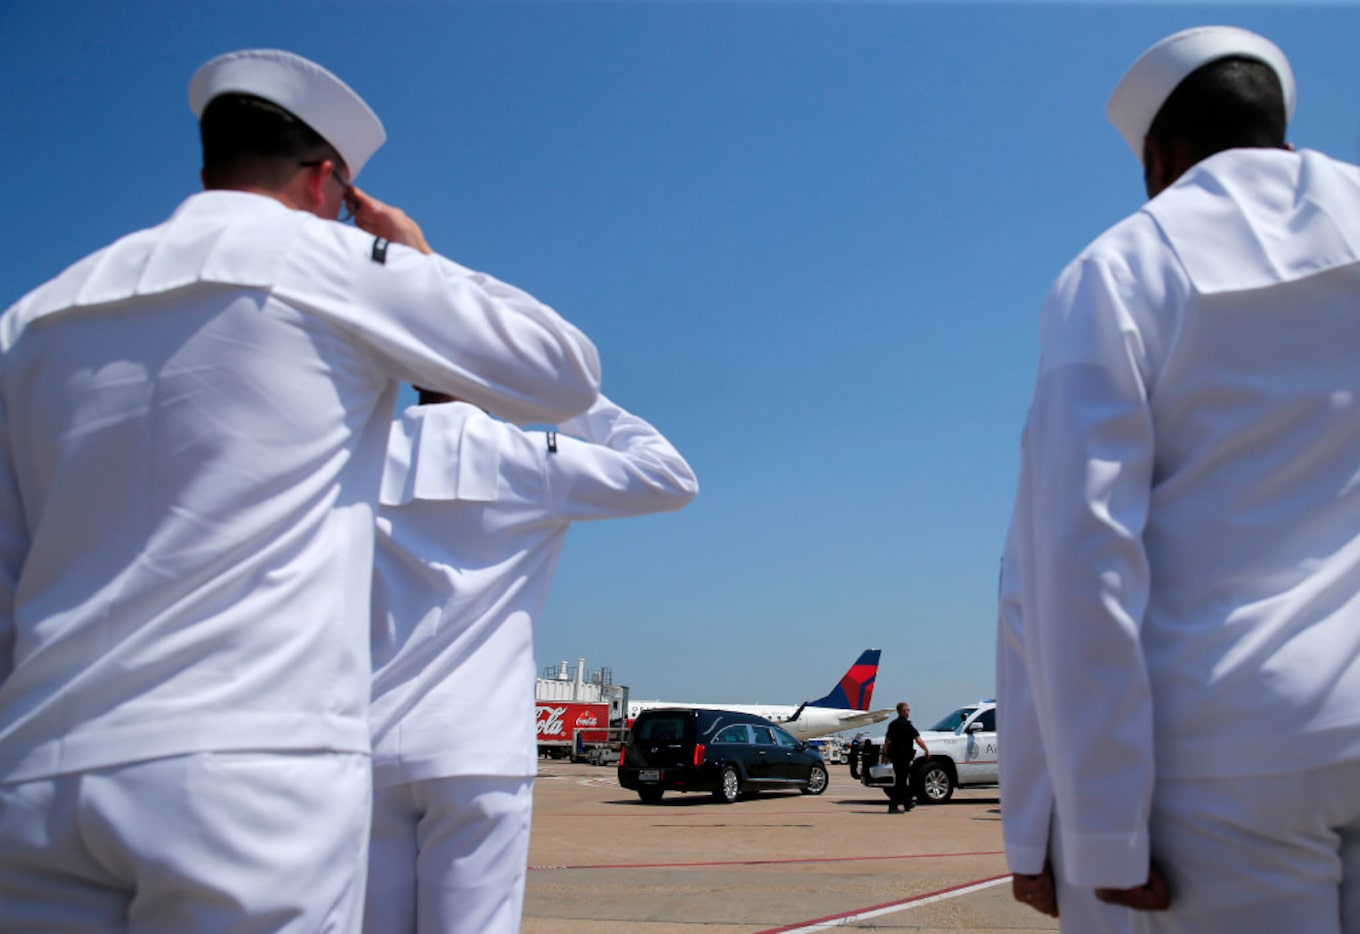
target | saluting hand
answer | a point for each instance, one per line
(386, 221)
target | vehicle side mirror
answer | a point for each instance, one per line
(975, 726)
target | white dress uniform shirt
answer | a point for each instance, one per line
(193, 423)
(474, 512)
(1189, 571)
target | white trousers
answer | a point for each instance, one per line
(1278, 854)
(449, 856)
(213, 843)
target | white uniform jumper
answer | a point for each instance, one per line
(1189, 556)
(192, 428)
(474, 512)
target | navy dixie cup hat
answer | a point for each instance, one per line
(1151, 79)
(301, 87)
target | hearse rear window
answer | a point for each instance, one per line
(661, 729)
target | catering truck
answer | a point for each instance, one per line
(579, 715)
(569, 730)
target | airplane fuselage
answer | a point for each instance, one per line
(812, 722)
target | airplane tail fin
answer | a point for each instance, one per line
(855, 690)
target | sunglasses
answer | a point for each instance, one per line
(351, 200)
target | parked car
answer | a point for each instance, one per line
(722, 752)
(963, 751)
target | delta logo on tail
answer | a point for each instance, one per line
(845, 707)
(856, 687)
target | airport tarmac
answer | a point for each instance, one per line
(602, 862)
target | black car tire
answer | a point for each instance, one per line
(933, 783)
(729, 786)
(817, 781)
(650, 795)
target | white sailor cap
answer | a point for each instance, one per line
(1151, 79)
(303, 88)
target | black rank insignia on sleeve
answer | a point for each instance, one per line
(379, 254)
(552, 442)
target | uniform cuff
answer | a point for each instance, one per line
(1105, 860)
(1025, 859)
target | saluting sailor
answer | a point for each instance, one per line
(193, 422)
(1188, 517)
(474, 514)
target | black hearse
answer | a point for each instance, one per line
(723, 752)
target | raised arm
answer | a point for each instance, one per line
(427, 320)
(468, 334)
(616, 465)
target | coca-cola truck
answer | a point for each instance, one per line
(570, 729)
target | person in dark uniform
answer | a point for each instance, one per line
(868, 756)
(897, 749)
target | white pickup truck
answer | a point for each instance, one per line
(963, 751)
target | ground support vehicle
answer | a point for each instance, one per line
(723, 752)
(832, 748)
(963, 751)
(578, 710)
(597, 753)
(568, 730)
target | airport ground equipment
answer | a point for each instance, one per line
(569, 730)
(579, 711)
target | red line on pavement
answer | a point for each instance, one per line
(900, 903)
(771, 862)
(654, 813)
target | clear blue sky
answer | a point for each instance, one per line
(810, 240)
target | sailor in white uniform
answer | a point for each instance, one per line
(192, 429)
(474, 513)
(1189, 561)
